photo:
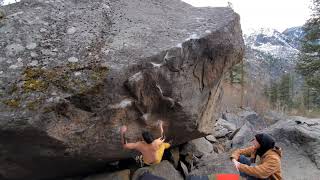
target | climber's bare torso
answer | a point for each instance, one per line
(148, 151)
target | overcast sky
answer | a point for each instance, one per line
(255, 14)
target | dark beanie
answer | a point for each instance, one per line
(266, 142)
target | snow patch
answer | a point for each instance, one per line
(193, 36)
(123, 104)
(156, 65)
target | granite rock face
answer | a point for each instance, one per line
(73, 72)
(299, 132)
(197, 147)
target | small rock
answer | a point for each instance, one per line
(221, 132)
(218, 148)
(73, 59)
(184, 169)
(190, 159)
(234, 119)
(33, 63)
(14, 66)
(230, 126)
(256, 120)
(77, 73)
(43, 30)
(223, 128)
(71, 30)
(198, 147)
(48, 52)
(228, 145)
(31, 46)
(106, 6)
(33, 54)
(211, 138)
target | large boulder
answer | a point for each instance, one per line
(165, 170)
(299, 132)
(223, 128)
(240, 116)
(197, 147)
(257, 121)
(232, 117)
(295, 162)
(272, 117)
(211, 138)
(73, 72)
(253, 123)
(244, 135)
(214, 164)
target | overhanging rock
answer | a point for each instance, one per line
(72, 72)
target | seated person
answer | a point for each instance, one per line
(269, 166)
(151, 149)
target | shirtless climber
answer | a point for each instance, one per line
(151, 149)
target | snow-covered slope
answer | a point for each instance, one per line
(270, 54)
(272, 42)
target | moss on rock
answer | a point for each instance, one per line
(13, 103)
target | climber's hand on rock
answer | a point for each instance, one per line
(123, 129)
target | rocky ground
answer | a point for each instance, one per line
(298, 137)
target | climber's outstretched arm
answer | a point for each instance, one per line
(123, 136)
(161, 130)
(124, 142)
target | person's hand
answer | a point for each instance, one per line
(123, 129)
(160, 122)
(236, 164)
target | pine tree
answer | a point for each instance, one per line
(273, 93)
(309, 61)
(285, 94)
